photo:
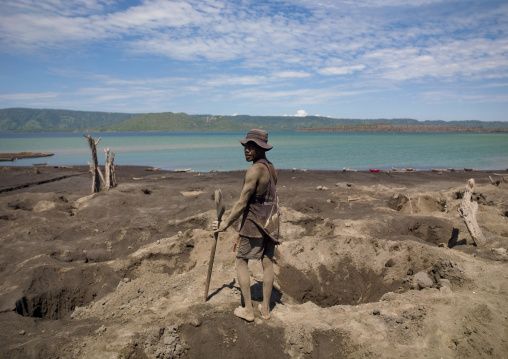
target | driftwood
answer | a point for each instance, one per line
(467, 212)
(109, 170)
(94, 166)
(109, 179)
(112, 172)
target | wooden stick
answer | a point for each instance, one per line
(219, 204)
(112, 169)
(467, 212)
(107, 170)
(94, 166)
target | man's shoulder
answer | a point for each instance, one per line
(265, 167)
(258, 169)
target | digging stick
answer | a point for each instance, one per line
(219, 204)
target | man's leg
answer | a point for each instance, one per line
(268, 277)
(242, 272)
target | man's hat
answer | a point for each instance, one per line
(259, 137)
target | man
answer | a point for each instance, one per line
(258, 204)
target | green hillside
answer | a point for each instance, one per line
(168, 121)
(40, 120)
(49, 120)
(293, 123)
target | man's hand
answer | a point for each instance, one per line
(216, 228)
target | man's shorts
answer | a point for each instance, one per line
(255, 248)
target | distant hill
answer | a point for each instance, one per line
(293, 123)
(383, 127)
(40, 120)
(168, 121)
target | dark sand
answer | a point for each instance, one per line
(372, 265)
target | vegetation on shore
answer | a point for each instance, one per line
(48, 120)
(168, 121)
(383, 127)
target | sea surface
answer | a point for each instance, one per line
(206, 151)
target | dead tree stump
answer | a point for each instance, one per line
(112, 170)
(109, 170)
(94, 166)
(107, 176)
(467, 212)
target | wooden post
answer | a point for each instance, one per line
(94, 166)
(467, 212)
(107, 168)
(109, 178)
(112, 170)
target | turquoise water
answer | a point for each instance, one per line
(205, 151)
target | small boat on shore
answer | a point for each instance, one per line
(374, 170)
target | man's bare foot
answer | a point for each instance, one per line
(263, 315)
(243, 313)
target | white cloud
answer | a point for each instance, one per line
(29, 96)
(465, 58)
(292, 74)
(344, 70)
(301, 113)
(61, 7)
(310, 96)
(227, 80)
(392, 3)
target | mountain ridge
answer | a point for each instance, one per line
(55, 120)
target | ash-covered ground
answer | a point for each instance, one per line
(372, 265)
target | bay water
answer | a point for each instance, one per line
(206, 151)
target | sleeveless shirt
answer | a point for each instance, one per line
(259, 209)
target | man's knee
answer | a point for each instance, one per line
(267, 262)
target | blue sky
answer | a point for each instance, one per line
(422, 59)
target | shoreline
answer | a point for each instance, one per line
(155, 170)
(12, 156)
(21, 178)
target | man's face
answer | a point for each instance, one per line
(252, 151)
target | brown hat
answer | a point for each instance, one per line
(259, 137)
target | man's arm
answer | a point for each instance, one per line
(249, 188)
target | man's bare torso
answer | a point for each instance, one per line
(263, 176)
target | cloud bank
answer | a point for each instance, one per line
(268, 56)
